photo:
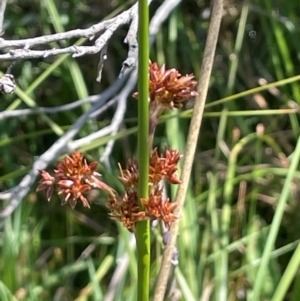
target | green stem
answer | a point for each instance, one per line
(143, 227)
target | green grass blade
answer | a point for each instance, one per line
(276, 223)
(287, 277)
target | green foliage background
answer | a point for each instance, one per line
(243, 157)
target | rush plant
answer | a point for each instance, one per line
(73, 177)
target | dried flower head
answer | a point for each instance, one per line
(168, 87)
(72, 178)
(164, 166)
(126, 209)
(158, 208)
(47, 183)
(129, 176)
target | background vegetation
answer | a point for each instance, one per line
(241, 175)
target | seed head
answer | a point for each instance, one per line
(168, 88)
(127, 209)
(72, 178)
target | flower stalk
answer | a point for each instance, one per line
(143, 227)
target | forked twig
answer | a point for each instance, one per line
(206, 67)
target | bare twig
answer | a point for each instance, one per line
(116, 121)
(46, 39)
(76, 51)
(131, 40)
(104, 107)
(160, 16)
(119, 115)
(2, 11)
(103, 58)
(38, 110)
(206, 67)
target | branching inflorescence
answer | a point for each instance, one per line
(126, 209)
(73, 176)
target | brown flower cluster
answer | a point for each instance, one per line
(168, 88)
(72, 178)
(126, 209)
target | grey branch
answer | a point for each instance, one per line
(2, 11)
(76, 33)
(65, 143)
(108, 27)
(76, 51)
(103, 58)
(131, 40)
(119, 115)
(38, 110)
(117, 119)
